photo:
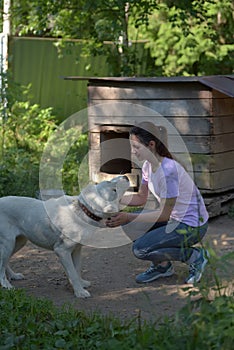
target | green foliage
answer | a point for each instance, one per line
(106, 20)
(210, 323)
(19, 174)
(29, 323)
(72, 169)
(184, 37)
(24, 131)
(192, 38)
(95, 22)
(209, 308)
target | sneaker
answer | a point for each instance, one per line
(196, 269)
(155, 272)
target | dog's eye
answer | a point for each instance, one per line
(114, 190)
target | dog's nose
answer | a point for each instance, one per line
(120, 178)
(125, 177)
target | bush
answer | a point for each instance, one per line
(19, 173)
(71, 166)
(23, 135)
(24, 131)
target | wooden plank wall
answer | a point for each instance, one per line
(204, 118)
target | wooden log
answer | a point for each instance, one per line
(219, 181)
(207, 162)
(94, 140)
(166, 108)
(223, 107)
(147, 92)
(201, 144)
(180, 124)
(219, 204)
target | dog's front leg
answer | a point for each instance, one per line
(3, 278)
(13, 275)
(64, 254)
(4, 281)
(76, 257)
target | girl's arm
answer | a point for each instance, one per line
(159, 215)
(136, 199)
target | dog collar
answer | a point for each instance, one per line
(88, 212)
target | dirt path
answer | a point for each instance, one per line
(112, 273)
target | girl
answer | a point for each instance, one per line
(181, 219)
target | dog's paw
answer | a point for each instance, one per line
(85, 283)
(6, 284)
(17, 276)
(82, 293)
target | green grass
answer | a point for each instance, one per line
(30, 323)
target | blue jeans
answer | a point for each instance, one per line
(168, 241)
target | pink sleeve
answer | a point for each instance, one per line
(169, 187)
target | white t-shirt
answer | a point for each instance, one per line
(171, 180)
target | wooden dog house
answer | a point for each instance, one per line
(199, 109)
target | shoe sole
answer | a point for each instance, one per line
(166, 274)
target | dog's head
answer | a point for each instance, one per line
(103, 199)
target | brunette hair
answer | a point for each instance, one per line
(147, 131)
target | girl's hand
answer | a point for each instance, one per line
(118, 220)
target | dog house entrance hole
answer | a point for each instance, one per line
(115, 150)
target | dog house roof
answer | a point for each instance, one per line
(221, 83)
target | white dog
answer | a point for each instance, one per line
(60, 225)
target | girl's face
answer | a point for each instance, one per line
(141, 151)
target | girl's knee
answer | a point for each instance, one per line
(139, 253)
